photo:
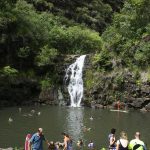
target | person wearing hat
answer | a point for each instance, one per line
(37, 140)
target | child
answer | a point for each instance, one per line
(91, 145)
(52, 146)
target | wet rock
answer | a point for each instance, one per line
(95, 105)
(143, 109)
(10, 148)
(109, 107)
(16, 92)
(49, 96)
(99, 106)
(145, 89)
(147, 107)
(137, 103)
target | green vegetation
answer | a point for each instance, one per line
(128, 36)
(35, 34)
(125, 50)
(95, 14)
(28, 36)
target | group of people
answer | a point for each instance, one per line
(35, 142)
(123, 143)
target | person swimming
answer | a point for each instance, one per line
(52, 146)
(80, 143)
(91, 145)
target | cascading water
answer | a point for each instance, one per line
(74, 75)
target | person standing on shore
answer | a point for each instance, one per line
(37, 139)
(27, 142)
(137, 144)
(122, 143)
(112, 139)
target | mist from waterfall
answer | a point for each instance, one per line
(75, 86)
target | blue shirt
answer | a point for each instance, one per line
(37, 141)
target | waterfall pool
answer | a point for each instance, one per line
(75, 121)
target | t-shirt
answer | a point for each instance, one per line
(111, 137)
(91, 145)
(137, 142)
(37, 141)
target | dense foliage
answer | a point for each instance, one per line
(32, 39)
(95, 14)
(35, 33)
(127, 39)
(27, 34)
(122, 66)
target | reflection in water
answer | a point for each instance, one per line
(74, 123)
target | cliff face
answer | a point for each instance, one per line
(105, 88)
(101, 88)
(18, 91)
(28, 90)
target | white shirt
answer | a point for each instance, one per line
(123, 142)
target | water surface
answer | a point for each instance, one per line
(55, 120)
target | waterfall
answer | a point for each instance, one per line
(74, 76)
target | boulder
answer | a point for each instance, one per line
(137, 103)
(147, 107)
(143, 109)
(9, 148)
(99, 106)
(49, 96)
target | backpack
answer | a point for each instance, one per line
(138, 147)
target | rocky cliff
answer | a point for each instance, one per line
(101, 88)
(105, 88)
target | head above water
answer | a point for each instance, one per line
(65, 134)
(137, 135)
(113, 131)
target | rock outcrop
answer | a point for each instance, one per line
(105, 88)
(102, 89)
